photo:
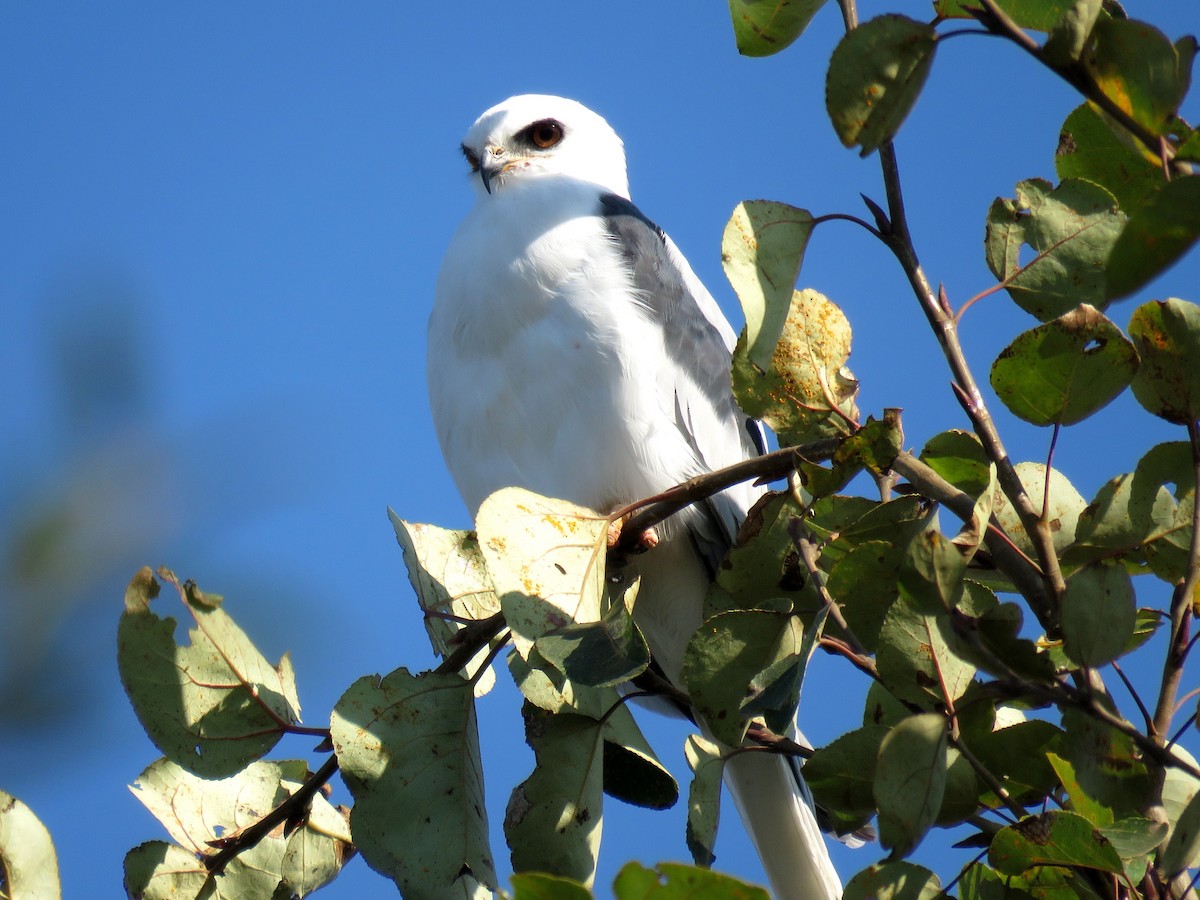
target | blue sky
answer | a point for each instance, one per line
(220, 226)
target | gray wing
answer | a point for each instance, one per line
(699, 342)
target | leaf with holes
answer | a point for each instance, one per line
(1063, 371)
(1070, 229)
(675, 881)
(211, 706)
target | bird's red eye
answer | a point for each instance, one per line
(545, 134)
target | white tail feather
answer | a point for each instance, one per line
(783, 828)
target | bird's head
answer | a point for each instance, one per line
(534, 135)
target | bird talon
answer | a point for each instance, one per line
(646, 540)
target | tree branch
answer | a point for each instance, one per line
(1076, 74)
(645, 514)
(293, 809)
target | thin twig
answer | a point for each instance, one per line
(469, 641)
(1181, 607)
(1134, 694)
(294, 808)
(900, 241)
(646, 513)
(844, 217)
(808, 553)
(1076, 74)
(991, 780)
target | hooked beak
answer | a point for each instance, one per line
(491, 165)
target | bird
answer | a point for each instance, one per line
(573, 352)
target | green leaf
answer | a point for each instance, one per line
(1036, 15)
(632, 773)
(1001, 649)
(897, 880)
(910, 781)
(1070, 228)
(28, 863)
(539, 886)
(197, 811)
(959, 457)
(1063, 371)
(1134, 836)
(1108, 765)
(865, 584)
(1070, 33)
(931, 576)
(1090, 148)
(553, 821)
(875, 76)
(915, 661)
(1183, 848)
(725, 654)
(1052, 839)
(704, 797)
(763, 569)
(764, 27)
(1138, 511)
(450, 578)
(546, 558)
(212, 706)
(157, 870)
(1138, 68)
(1062, 512)
(1167, 336)
(599, 654)
(960, 798)
(1158, 234)
(1092, 810)
(807, 376)
(841, 775)
(673, 881)
(881, 707)
(762, 251)
(408, 748)
(1016, 755)
(1098, 614)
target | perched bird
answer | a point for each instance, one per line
(573, 352)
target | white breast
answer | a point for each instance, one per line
(542, 369)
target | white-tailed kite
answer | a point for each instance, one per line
(573, 352)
